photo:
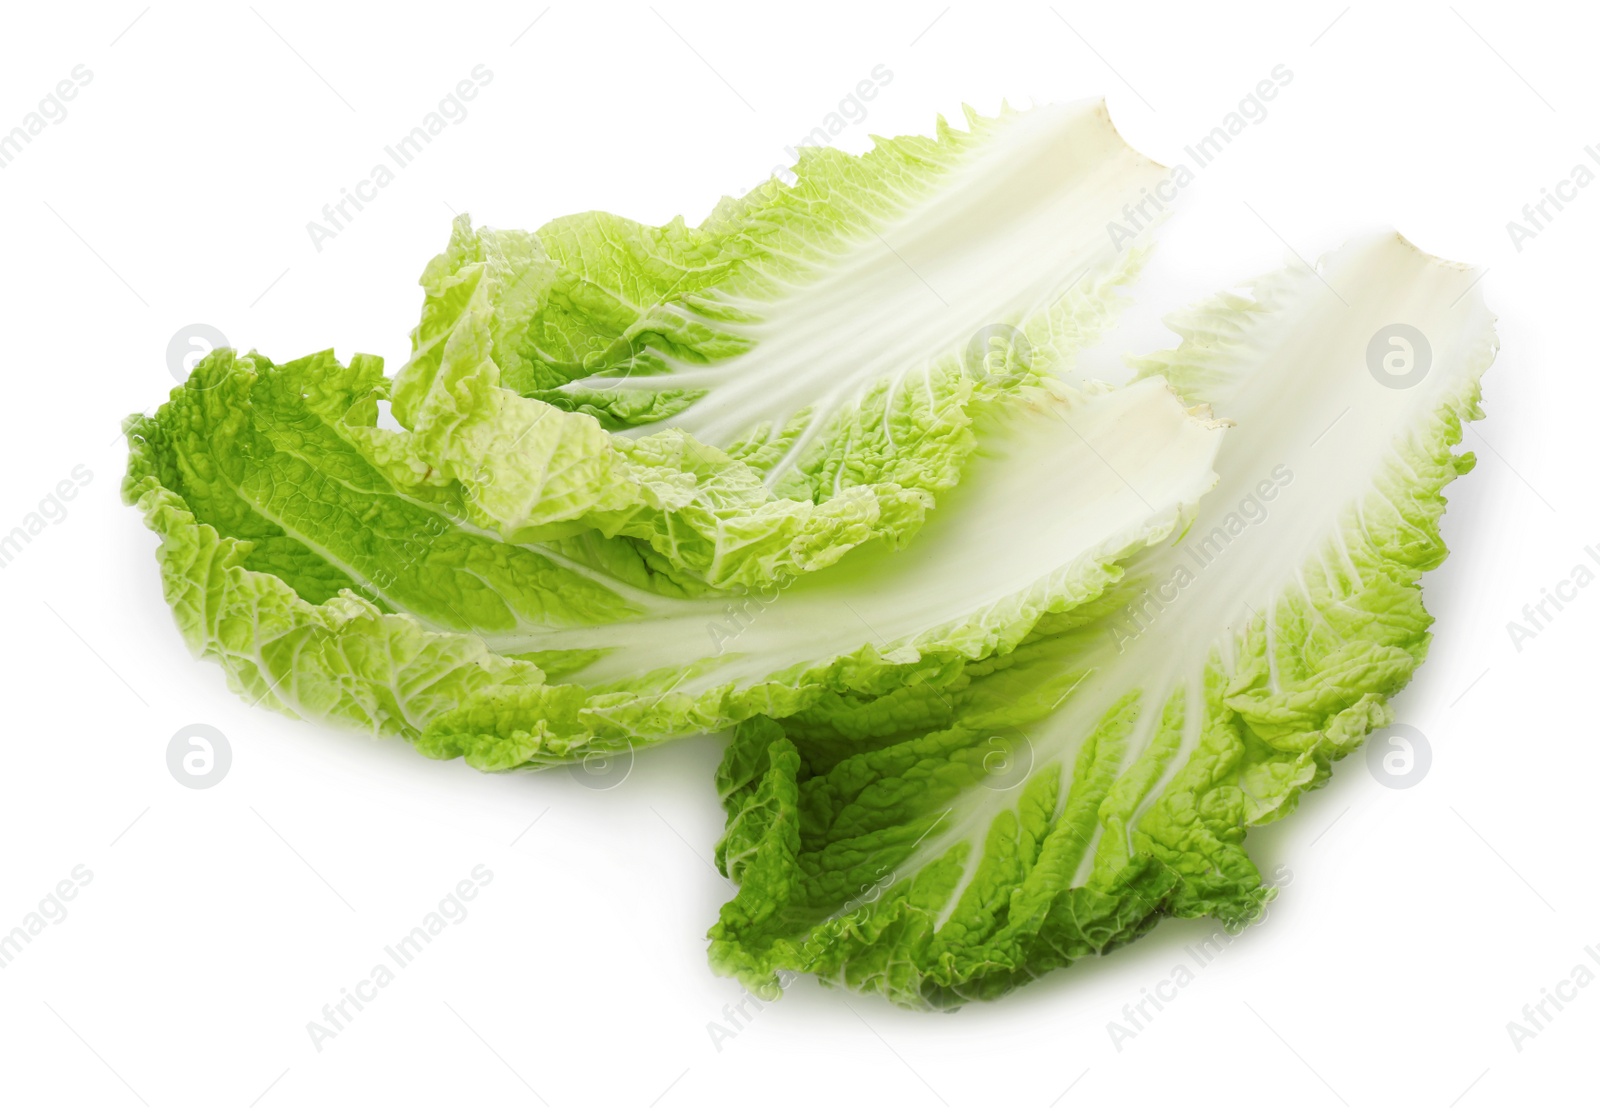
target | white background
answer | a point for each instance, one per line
(1417, 923)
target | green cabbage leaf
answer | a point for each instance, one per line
(938, 844)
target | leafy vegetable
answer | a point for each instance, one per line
(503, 578)
(830, 334)
(287, 556)
(944, 843)
(1012, 673)
(1067, 483)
